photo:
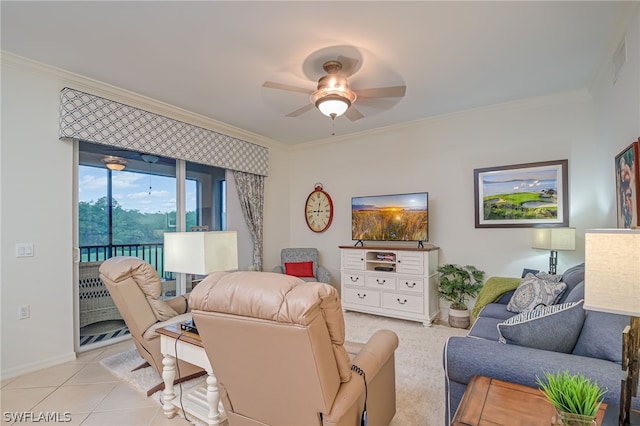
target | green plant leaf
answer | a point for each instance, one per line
(575, 393)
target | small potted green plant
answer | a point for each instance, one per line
(575, 397)
(457, 284)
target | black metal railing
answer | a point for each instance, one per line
(153, 253)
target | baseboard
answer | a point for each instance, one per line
(36, 366)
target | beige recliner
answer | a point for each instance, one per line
(135, 287)
(276, 345)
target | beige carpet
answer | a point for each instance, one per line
(419, 373)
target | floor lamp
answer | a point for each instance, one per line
(554, 239)
(612, 284)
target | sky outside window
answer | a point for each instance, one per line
(131, 190)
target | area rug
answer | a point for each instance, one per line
(419, 372)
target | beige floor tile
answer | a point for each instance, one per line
(18, 400)
(116, 349)
(76, 398)
(131, 417)
(92, 373)
(54, 376)
(160, 419)
(5, 382)
(123, 396)
(96, 355)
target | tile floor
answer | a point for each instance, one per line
(85, 389)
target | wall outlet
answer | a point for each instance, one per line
(24, 312)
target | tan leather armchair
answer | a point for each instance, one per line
(135, 287)
(276, 345)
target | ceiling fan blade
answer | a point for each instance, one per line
(300, 110)
(353, 114)
(348, 65)
(274, 85)
(382, 92)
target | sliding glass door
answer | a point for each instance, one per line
(126, 202)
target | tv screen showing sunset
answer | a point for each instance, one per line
(400, 217)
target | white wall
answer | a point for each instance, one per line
(617, 115)
(36, 178)
(36, 182)
(438, 155)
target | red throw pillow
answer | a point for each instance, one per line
(299, 269)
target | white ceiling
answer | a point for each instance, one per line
(211, 57)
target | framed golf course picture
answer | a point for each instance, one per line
(522, 195)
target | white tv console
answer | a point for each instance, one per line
(394, 282)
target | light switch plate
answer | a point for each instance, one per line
(24, 250)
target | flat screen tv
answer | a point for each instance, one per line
(397, 217)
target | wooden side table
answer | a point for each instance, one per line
(495, 402)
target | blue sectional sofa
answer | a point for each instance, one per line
(546, 344)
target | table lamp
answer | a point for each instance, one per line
(612, 284)
(200, 253)
(554, 239)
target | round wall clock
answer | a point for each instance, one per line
(318, 210)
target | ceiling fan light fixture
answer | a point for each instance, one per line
(333, 105)
(114, 163)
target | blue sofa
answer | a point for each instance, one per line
(597, 352)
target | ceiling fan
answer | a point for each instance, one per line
(333, 97)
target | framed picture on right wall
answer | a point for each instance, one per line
(628, 186)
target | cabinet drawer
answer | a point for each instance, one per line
(414, 285)
(381, 282)
(403, 302)
(362, 297)
(351, 278)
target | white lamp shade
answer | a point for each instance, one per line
(554, 238)
(200, 252)
(612, 271)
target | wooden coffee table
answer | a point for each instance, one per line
(495, 402)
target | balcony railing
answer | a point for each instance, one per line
(153, 253)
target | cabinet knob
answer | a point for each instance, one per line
(402, 302)
(381, 282)
(354, 280)
(362, 296)
(412, 285)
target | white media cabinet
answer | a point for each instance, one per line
(394, 282)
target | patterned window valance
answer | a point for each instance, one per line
(94, 119)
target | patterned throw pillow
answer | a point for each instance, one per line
(554, 278)
(533, 293)
(552, 328)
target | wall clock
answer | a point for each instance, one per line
(318, 210)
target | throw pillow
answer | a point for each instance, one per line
(552, 328)
(554, 278)
(601, 336)
(299, 269)
(534, 292)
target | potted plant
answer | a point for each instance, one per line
(576, 398)
(457, 284)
